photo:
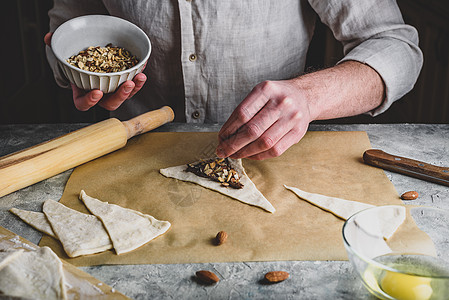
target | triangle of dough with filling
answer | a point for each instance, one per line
(79, 233)
(32, 275)
(249, 194)
(35, 219)
(127, 228)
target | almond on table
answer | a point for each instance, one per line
(410, 195)
(276, 276)
(207, 277)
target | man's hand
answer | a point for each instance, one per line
(84, 100)
(273, 117)
(276, 114)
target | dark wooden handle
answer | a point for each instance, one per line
(407, 166)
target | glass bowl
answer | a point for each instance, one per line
(400, 252)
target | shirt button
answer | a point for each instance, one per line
(192, 57)
(196, 114)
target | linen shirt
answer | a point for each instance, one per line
(208, 55)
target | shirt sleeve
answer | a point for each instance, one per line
(62, 11)
(373, 33)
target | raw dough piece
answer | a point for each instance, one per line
(127, 228)
(384, 224)
(33, 275)
(37, 220)
(249, 194)
(358, 239)
(340, 207)
(80, 234)
(7, 256)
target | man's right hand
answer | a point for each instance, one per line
(84, 100)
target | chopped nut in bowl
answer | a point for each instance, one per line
(107, 59)
(99, 51)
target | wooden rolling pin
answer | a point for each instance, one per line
(29, 166)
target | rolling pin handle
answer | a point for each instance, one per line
(148, 121)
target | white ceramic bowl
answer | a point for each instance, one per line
(99, 30)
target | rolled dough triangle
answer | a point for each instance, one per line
(249, 194)
(36, 219)
(127, 228)
(79, 233)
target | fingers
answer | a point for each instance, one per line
(113, 101)
(252, 131)
(139, 81)
(265, 142)
(292, 122)
(246, 110)
(47, 38)
(291, 138)
(82, 100)
(273, 117)
(288, 120)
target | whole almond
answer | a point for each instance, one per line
(276, 276)
(207, 277)
(410, 195)
(221, 238)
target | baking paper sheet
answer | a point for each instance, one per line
(328, 163)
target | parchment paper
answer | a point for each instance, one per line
(328, 163)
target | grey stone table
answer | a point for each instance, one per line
(242, 280)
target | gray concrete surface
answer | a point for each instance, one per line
(242, 280)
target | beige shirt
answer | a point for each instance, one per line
(208, 55)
